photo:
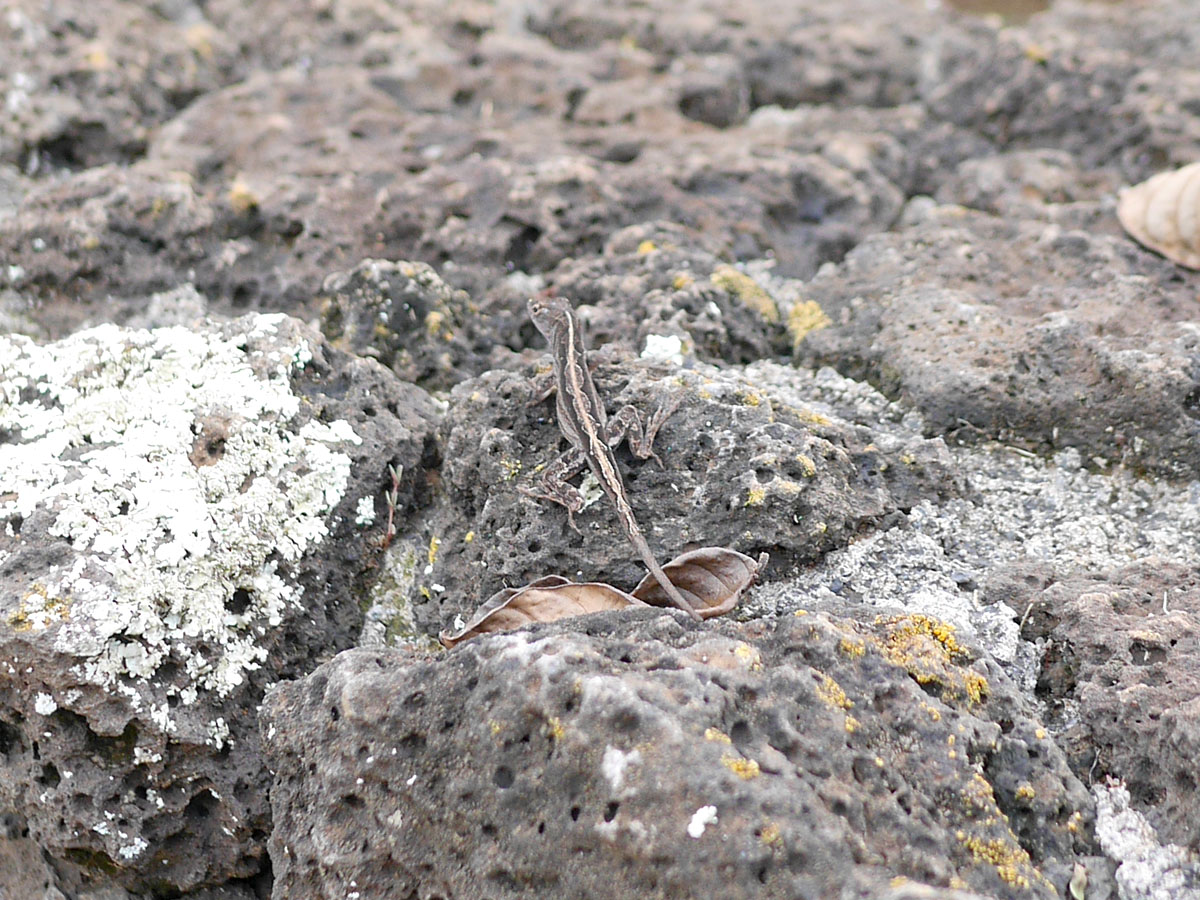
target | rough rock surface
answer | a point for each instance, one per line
(176, 509)
(1121, 671)
(741, 469)
(805, 756)
(992, 409)
(956, 315)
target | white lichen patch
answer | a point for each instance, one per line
(364, 512)
(701, 819)
(615, 764)
(172, 462)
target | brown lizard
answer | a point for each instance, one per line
(583, 421)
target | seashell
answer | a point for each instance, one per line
(1163, 214)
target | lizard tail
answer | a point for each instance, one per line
(673, 592)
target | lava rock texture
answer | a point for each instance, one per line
(269, 393)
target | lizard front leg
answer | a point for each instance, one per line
(554, 484)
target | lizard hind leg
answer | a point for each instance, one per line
(554, 486)
(627, 423)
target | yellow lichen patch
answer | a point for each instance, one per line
(808, 468)
(1036, 53)
(786, 488)
(511, 467)
(646, 247)
(979, 797)
(1009, 858)
(434, 543)
(495, 727)
(682, 280)
(852, 724)
(199, 38)
(809, 417)
(38, 610)
(717, 735)
(927, 648)
(750, 398)
(468, 537)
(746, 289)
(741, 767)
(241, 198)
(934, 713)
(1075, 822)
(96, 56)
(831, 692)
(756, 495)
(852, 647)
(747, 654)
(1026, 792)
(800, 612)
(803, 319)
(555, 729)
(1040, 734)
(771, 835)
(976, 686)
(435, 325)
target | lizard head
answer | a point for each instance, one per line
(549, 312)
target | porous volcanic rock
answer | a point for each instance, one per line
(635, 755)
(1023, 331)
(185, 515)
(1121, 673)
(741, 469)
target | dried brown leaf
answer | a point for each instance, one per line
(711, 579)
(1163, 214)
(544, 600)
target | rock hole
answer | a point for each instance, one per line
(238, 602)
(1191, 403)
(334, 714)
(575, 811)
(200, 807)
(541, 828)
(520, 246)
(535, 546)
(626, 720)
(50, 776)
(740, 732)
(503, 777)
(762, 873)
(610, 811)
(244, 293)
